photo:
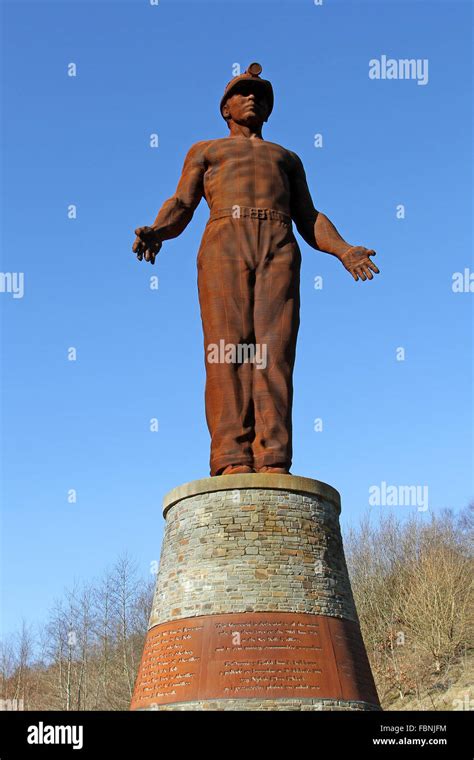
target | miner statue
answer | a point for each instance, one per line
(248, 275)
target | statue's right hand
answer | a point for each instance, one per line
(147, 244)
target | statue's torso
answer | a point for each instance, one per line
(246, 172)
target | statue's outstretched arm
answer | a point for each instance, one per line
(175, 213)
(320, 233)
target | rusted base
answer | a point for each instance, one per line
(257, 656)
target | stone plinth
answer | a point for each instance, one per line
(253, 608)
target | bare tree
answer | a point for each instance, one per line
(411, 584)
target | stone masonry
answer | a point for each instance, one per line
(251, 544)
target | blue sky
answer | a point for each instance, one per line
(145, 69)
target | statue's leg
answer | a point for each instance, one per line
(276, 319)
(226, 281)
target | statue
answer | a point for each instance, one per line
(248, 275)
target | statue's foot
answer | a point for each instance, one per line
(275, 468)
(237, 469)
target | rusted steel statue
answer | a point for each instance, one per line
(248, 275)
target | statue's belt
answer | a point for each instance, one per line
(237, 212)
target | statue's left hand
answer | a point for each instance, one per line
(357, 261)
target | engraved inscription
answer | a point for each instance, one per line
(298, 641)
(171, 662)
(261, 655)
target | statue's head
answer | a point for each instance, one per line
(247, 99)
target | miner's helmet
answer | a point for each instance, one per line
(251, 75)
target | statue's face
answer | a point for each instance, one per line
(247, 105)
